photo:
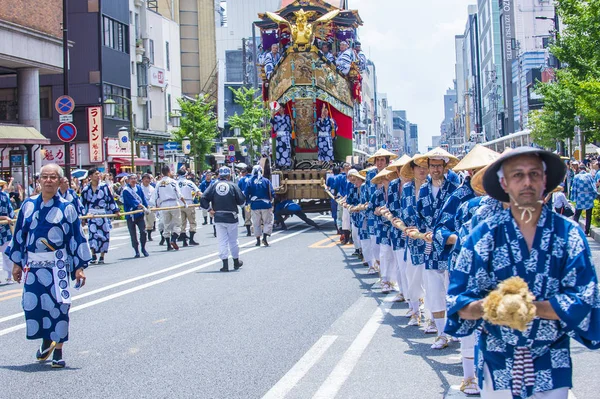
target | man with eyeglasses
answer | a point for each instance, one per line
(49, 246)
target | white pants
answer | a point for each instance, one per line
(355, 237)
(488, 390)
(171, 222)
(159, 222)
(366, 251)
(387, 262)
(149, 220)
(414, 279)
(345, 219)
(262, 220)
(401, 278)
(436, 286)
(7, 264)
(467, 346)
(374, 248)
(227, 235)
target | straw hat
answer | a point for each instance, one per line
(436, 153)
(357, 174)
(364, 172)
(399, 163)
(382, 153)
(3, 182)
(384, 174)
(555, 171)
(477, 158)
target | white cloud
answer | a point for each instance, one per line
(412, 44)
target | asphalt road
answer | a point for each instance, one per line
(299, 320)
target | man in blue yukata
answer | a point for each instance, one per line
(551, 254)
(583, 193)
(133, 200)
(49, 247)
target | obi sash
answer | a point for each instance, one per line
(57, 261)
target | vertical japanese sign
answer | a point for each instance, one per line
(95, 134)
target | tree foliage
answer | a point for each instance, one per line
(199, 124)
(576, 90)
(251, 121)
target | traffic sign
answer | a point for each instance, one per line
(231, 147)
(384, 146)
(65, 118)
(172, 146)
(64, 105)
(66, 132)
(232, 158)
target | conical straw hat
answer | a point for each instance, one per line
(438, 153)
(407, 172)
(3, 183)
(477, 179)
(399, 163)
(355, 173)
(384, 174)
(364, 172)
(477, 158)
(382, 153)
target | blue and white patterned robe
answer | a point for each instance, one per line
(329, 57)
(363, 231)
(6, 209)
(382, 225)
(362, 61)
(583, 191)
(410, 217)
(103, 202)
(282, 126)
(325, 139)
(344, 61)
(394, 205)
(56, 221)
(353, 199)
(447, 223)
(429, 210)
(271, 62)
(558, 268)
(370, 189)
(71, 196)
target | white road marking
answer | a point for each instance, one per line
(301, 368)
(142, 286)
(330, 388)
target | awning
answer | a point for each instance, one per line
(16, 135)
(138, 161)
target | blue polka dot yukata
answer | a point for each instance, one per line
(325, 127)
(558, 269)
(282, 126)
(6, 209)
(46, 297)
(99, 202)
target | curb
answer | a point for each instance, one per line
(594, 231)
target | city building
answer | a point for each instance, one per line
(413, 139)
(401, 131)
(448, 132)
(472, 103)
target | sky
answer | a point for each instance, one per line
(411, 43)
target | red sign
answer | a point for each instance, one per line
(66, 132)
(95, 134)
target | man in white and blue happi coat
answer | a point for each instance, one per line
(167, 195)
(398, 239)
(415, 259)
(133, 200)
(552, 255)
(383, 231)
(271, 60)
(440, 185)
(583, 192)
(361, 57)
(6, 214)
(70, 195)
(188, 190)
(343, 216)
(49, 246)
(355, 181)
(282, 132)
(326, 132)
(327, 53)
(260, 194)
(345, 58)
(97, 199)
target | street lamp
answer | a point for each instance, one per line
(109, 110)
(187, 145)
(176, 118)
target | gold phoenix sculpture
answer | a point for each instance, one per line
(303, 32)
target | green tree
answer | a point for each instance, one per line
(251, 121)
(199, 124)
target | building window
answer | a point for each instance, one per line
(151, 50)
(117, 93)
(168, 107)
(8, 105)
(223, 13)
(46, 102)
(116, 35)
(167, 57)
(142, 80)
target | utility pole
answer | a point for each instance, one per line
(65, 26)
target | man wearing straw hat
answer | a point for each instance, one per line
(398, 236)
(343, 217)
(383, 228)
(167, 195)
(97, 199)
(353, 199)
(440, 185)
(360, 210)
(551, 255)
(6, 215)
(134, 200)
(415, 176)
(381, 159)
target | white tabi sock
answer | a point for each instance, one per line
(440, 324)
(468, 367)
(414, 305)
